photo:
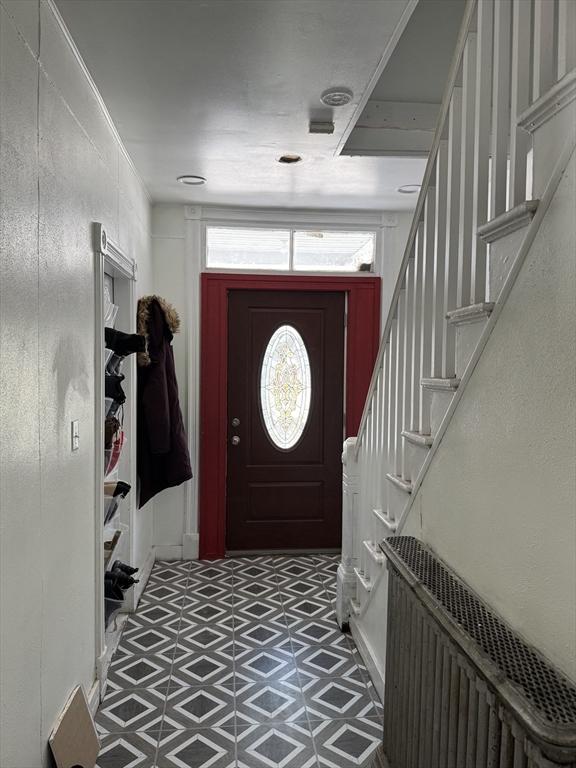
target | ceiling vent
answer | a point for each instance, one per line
(321, 126)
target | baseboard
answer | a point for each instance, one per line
(369, 659)
(143, 576)
(94, 697)
(168, 552)
(190, 546)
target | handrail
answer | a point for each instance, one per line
(440, 125)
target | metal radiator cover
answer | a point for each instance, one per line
(462, 689)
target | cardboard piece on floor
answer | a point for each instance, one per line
(74, 741)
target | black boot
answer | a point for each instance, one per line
(127, 569)
(111, 589)
(119, 579)
(124, 343)
(113, 388)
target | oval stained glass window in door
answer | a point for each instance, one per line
(285, 387)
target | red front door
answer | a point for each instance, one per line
(285, 420)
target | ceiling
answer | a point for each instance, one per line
(400, 116)
(222, 88)
(418, 67)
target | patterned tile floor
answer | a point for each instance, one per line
(238, 663)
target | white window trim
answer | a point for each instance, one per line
(327, 221)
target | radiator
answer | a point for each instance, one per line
(462, 690)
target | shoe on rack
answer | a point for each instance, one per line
(124, 343)
(111, 589)
(111, 429)
(114, 364)
(118, 565)
(117, 488)
(113, 389)
(119, 579)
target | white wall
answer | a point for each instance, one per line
(169, 265)
(393, 244)
(61, 169)
(498, 503)
(177, 260)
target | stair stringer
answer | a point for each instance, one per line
(369, 622)
(452, 504)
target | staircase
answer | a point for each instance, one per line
(491, 175)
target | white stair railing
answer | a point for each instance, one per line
(509, 54)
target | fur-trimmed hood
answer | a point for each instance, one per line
(143, 316)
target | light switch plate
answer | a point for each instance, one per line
(75, 432)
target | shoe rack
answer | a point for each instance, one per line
(115, 281)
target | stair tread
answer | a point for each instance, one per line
(418, 438)
(472, 313)
(441, 385)
(364, 580)
(374, 551)
(385, 520)
(404, 485)
(509, 221)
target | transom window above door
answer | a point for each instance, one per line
(289, 250)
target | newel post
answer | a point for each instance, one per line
(346, 580)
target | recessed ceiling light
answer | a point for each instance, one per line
(192, 181)
(288, 159)
(336, 97)
(409, 189)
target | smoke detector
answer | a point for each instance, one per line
(336, 97)
(409, 189)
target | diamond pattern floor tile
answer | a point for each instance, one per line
(335, 698)
(271, 634)
(134, 710)
(327, 661)
(316, 632)
(308, 608)
(168, 574)
(208, 748)
(214, 668)
(274, 702)
(146, 671)
(256, 590)
(205, 637)
(346, 743)
(302, 588)
(264, 665)
(157, 612)
(208, 612)
(285, 745)
(210, 706)
(128, 750)
(256, 609)
(239, 663)
(139, 639)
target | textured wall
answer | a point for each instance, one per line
(61, 169)
(499, 501)
(168, 257)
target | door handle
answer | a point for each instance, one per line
(235, 440)
(235, 421)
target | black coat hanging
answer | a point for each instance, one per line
(163, 460)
